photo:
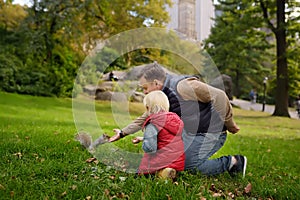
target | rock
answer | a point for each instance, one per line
(224, 82)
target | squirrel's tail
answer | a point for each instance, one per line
(84, 139)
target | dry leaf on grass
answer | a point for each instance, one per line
(248, 188)
(90, 160)
(217, 195)
(19, 154)
(74, 187)
(106, 192)
(64, 194)
(2, 187)
(213, 188)
(88, 198)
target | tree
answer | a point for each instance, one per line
(237, 46)
(280, 32)
(55, 37)
(240, 27)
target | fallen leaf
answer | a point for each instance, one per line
(248, 188)
(12, 194)
(90, 160)
(213, 188)
(238, 192)
(122, 196)
(96, 162)
(74, 187)
(2, 187)
(106, 192)
(88, 198)
(231, 195)
(169, 197)
(217, 194)
(64, 193)
(19, 154)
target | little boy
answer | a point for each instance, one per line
(162, 142)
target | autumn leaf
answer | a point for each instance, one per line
(90, 160)
(248, 188)
(74, 187)
(213, 188)
(106, 192)
(19, 154)
(217, 194)
(64, 194)
(231, 195)
(2, 187)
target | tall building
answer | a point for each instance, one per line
(192, 18)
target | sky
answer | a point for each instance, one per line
(22, 2)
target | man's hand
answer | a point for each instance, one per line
(234, 129)
(116, 137)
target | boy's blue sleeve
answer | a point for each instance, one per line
(150, 139)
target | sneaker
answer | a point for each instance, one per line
(167, 173)
(240, 166)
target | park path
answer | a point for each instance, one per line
(247, 105)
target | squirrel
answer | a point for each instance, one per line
(87, 142)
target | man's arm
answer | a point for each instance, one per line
(194, 89)
(131, 128)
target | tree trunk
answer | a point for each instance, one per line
(281, 104)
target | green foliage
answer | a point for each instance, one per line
(50, 39)
(41, 160)
(238, 47)
(243, 46)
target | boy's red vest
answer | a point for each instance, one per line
(170, 147)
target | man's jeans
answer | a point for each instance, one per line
(199, 148)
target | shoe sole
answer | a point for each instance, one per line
(245, 166)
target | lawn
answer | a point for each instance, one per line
(41, 160)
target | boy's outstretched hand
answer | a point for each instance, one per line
(116, 136)
(137, 140)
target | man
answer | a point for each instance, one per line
(207, 116)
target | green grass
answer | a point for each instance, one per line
(41, 160)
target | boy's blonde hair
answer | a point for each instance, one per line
(156, 101)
